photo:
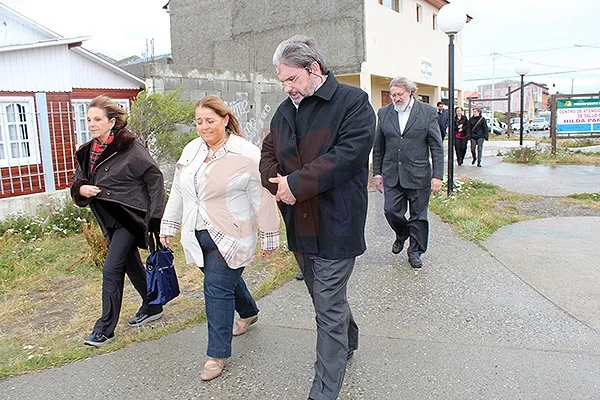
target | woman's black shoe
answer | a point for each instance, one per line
(97, 340)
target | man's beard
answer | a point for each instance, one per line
(303, 94)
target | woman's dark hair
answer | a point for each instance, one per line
(221, 109)
(112, 110)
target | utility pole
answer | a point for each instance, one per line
(493, 96)
(572, 84)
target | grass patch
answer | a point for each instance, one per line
(583, 142)
(527, 155)
(589, 200)
(50, 297)
(594, 197)
(473, 209)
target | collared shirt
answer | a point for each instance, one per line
(97, 149)
(403, 114)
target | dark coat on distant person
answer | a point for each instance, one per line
(323, 148)
(442, 119)
(461, 133)
(132, 185)
(478, 130)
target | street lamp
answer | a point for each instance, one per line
(451, 19)
(522, 68)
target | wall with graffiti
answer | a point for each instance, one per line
(252, 97)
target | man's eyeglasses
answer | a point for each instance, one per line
(290, 81)
(397, 95)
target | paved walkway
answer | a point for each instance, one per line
(516, 318)
(555, 180)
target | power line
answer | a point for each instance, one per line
(541, 74)
(572, 47)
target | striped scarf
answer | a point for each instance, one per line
(97, 149)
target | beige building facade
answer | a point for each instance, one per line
(402, 38)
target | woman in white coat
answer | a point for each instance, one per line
(218, 204)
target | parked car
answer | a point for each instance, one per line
(539, 124)
(515, 125)
(494, 126)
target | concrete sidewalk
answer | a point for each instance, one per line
(544, 180)
(471, 324)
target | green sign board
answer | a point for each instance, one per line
(577, 116)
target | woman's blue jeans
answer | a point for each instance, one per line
(224, 293)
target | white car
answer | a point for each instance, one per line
(515, 125)
(539, 124)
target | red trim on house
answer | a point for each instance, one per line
(16, 181)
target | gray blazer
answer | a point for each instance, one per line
(404, 158)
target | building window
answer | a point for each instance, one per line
(80, 109)
(419, 13)
(18, 135)
(435, 22)
(396, 5)
(423, 98)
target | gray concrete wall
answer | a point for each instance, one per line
(252, 97)
(34, 204)
(241, 35)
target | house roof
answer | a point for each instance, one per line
(544, 87)
(72, 42)
(54, 39)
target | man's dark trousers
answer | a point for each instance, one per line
(337, 333)
(396, 202)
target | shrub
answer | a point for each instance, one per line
(96, 242)
(523, 155)
(64, 222)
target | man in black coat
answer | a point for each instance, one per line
(407, 135)
(315, 160)
(442, 118)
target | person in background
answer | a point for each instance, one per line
(442, 119)
(461, 134)
(407, 136)
(218, 204)
(124, 188)
(478, 133)
(315, 159)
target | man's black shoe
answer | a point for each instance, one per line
(397, 246)
(415, 261)
(300, 276)
(97, 340)
(473, 162)
(142, 318)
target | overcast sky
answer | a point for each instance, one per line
(119, 28)
(554, 36)
(558, 38)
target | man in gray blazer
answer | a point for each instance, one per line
(407, 135)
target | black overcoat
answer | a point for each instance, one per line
(132, 185)
(323, 148)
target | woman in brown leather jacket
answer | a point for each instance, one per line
(124, 188)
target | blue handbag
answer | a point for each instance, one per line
(161, 278)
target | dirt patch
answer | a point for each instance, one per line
(51, 307)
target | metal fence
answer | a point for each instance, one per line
(29, 162)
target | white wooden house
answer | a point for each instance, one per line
(46, 84)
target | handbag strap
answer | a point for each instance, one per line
(477, 123)
(155, 243)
